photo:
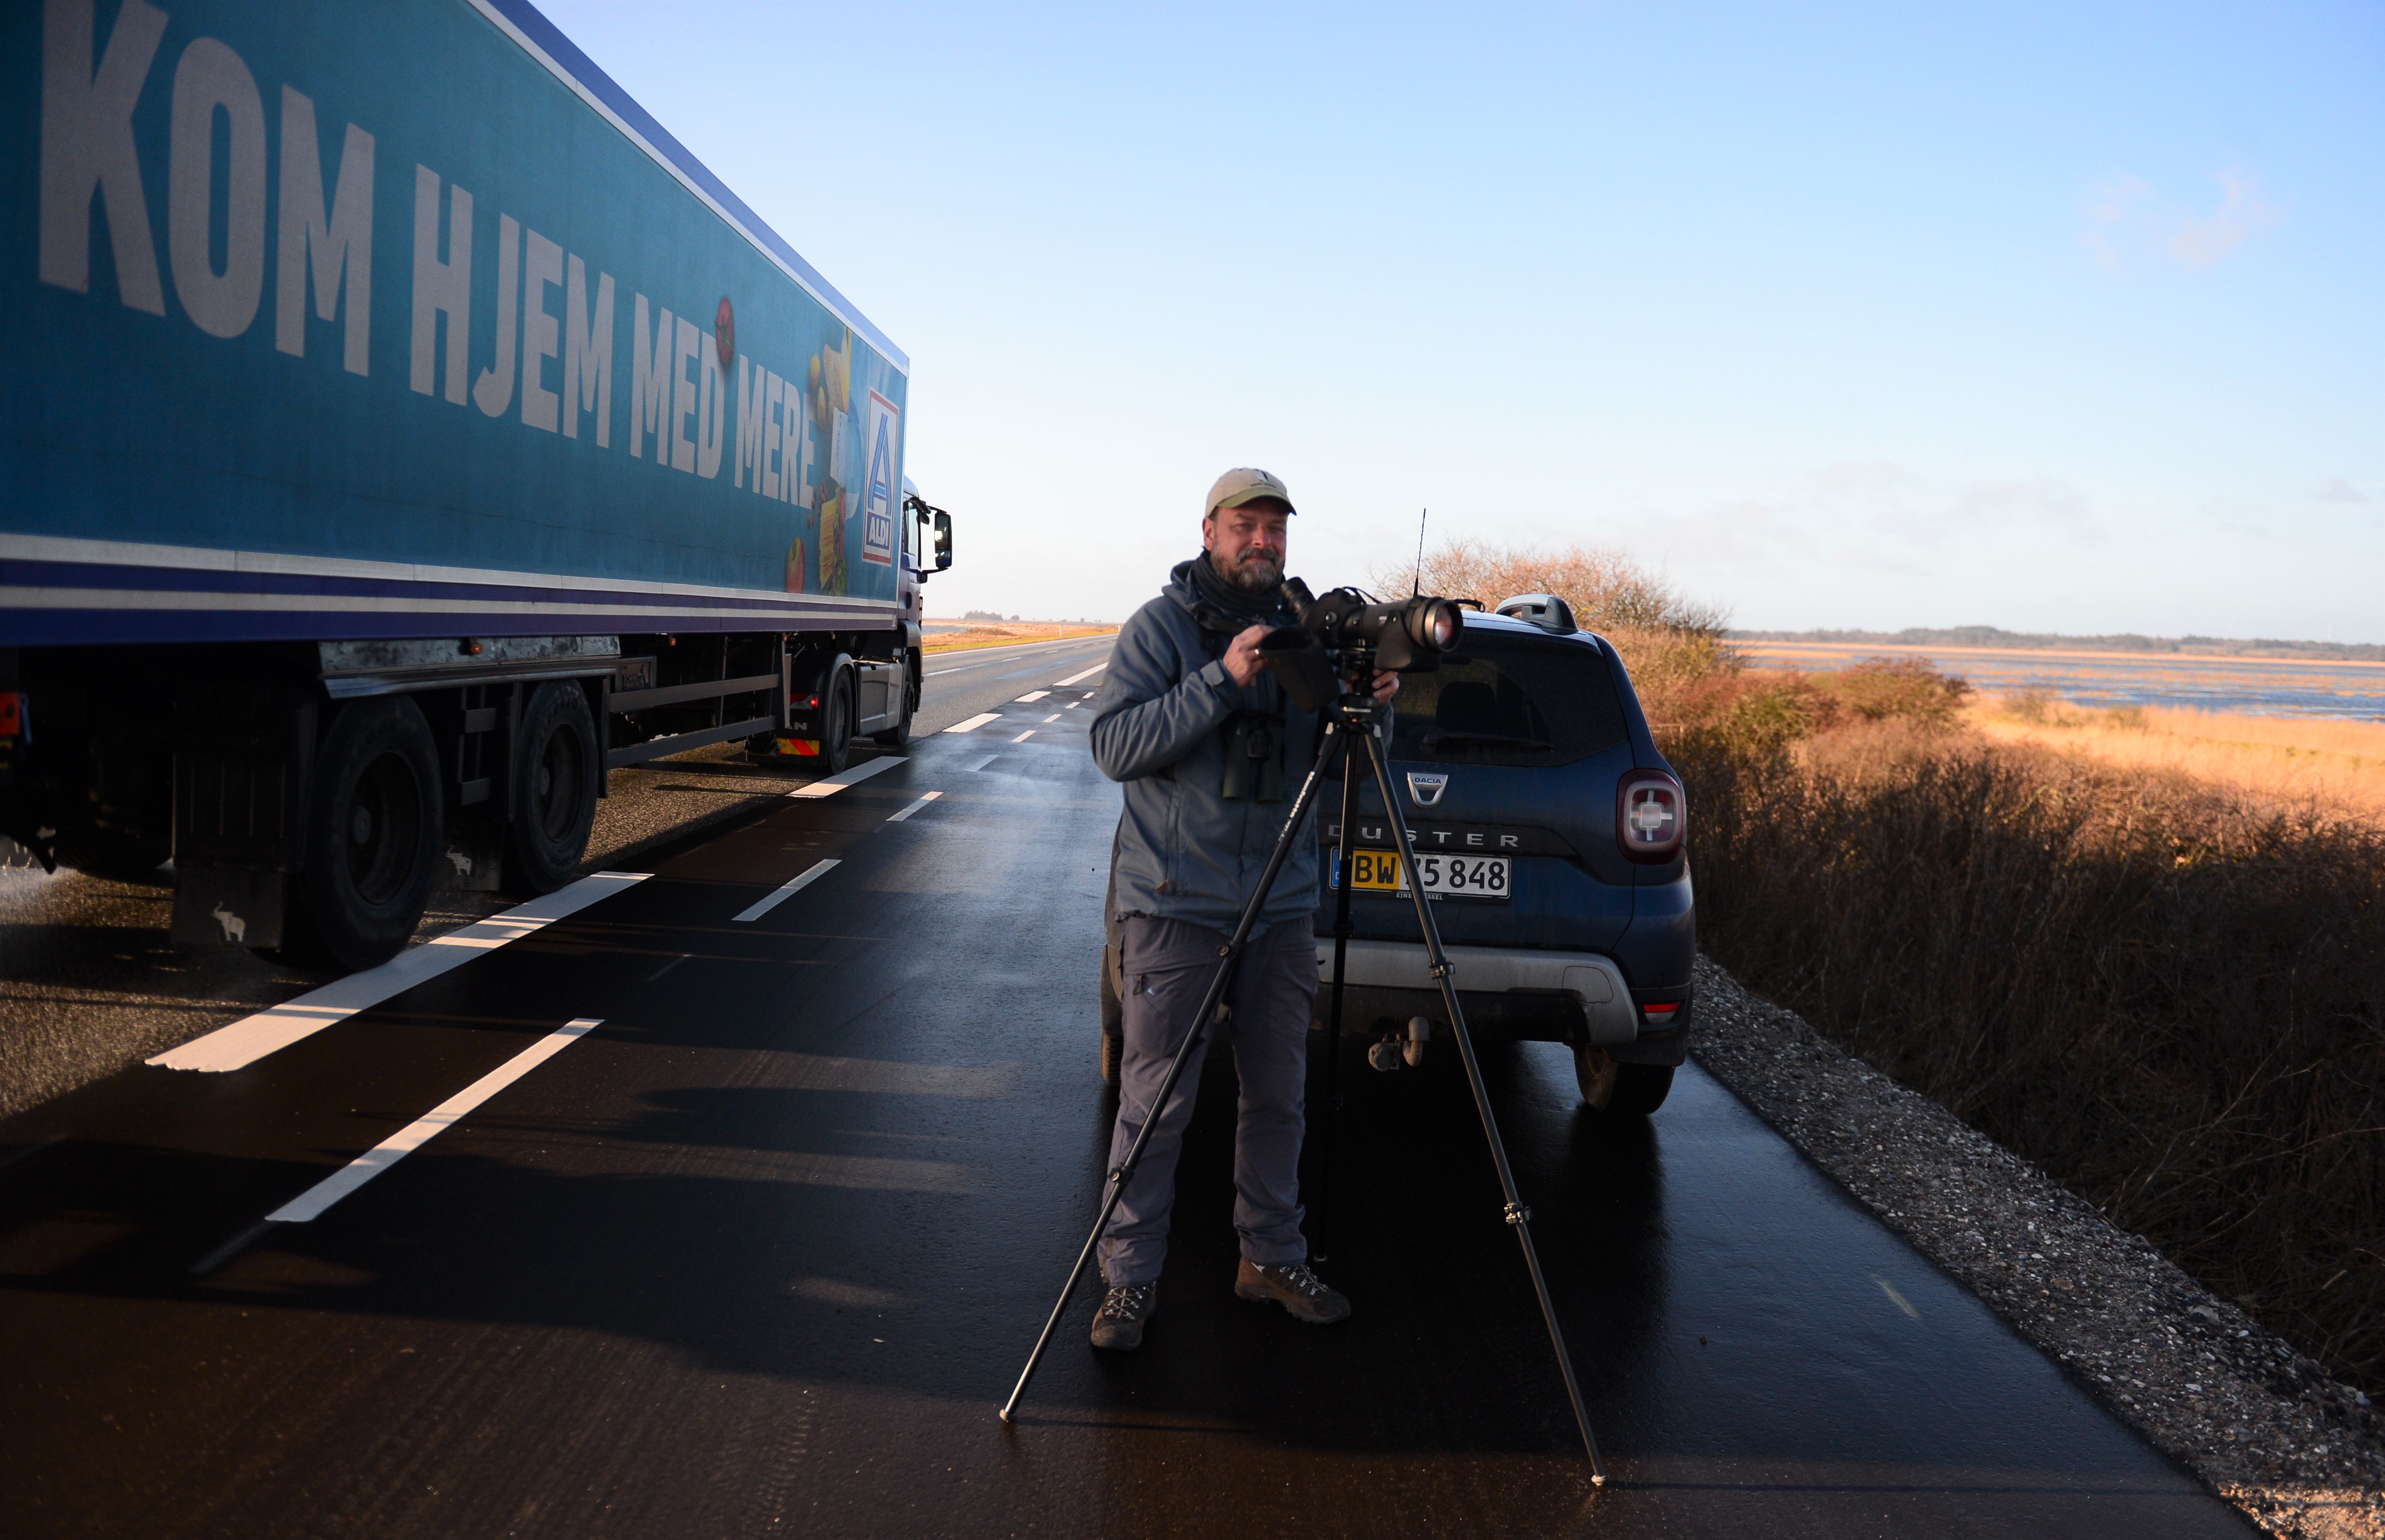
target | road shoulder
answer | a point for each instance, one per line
(2262, 1425)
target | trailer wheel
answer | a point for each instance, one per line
(372, 833)
(553, 790)
(836, 727)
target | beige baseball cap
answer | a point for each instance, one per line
(1242, 485)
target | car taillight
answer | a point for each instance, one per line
(1651, 816)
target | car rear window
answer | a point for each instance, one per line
(1511, 700)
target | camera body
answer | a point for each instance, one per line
(1345, 638)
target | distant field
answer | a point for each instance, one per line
(2257, 686)
(1004, 634)
(2287, 762)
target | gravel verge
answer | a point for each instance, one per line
(2262, 1425)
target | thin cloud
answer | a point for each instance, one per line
(2335, 489)
(2124, 223)
(2203, 243)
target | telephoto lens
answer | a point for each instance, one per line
(1407, 636)
(1347, 629)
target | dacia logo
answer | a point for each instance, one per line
(1426, 788)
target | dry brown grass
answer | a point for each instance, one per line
(2327, 763)
(2170, 996)
(1008, 633)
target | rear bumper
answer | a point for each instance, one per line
(1562, 997)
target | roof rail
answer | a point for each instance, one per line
(1544, 611)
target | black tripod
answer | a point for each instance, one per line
(1350, 727)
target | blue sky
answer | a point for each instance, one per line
(2059, 318)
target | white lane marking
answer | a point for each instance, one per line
(1087, 674)
(783, 891)
(1050, 720)
(1031, 697)
(252, 1038)
(906, 812)
(829, 785)
(311, 1202)
(980, 764)
(1024, 736)
(1072, 705)
(975, 722)
(667, 966)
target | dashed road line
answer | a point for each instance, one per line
(311, 1202)
(783, 891)
(1024, 736)
(913, 807)
(973, 723)
(1031, 697)
(252, 1038)
(1050, 720)
(829, 785)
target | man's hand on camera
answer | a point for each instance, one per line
(1241, 657)
(1386, 686)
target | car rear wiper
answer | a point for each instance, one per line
(1485, 740)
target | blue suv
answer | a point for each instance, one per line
(1550, 832)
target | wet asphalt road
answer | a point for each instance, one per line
(762, 1252)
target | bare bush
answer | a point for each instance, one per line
(2172, 999)
(1607, 590)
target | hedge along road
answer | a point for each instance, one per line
(665, 1222)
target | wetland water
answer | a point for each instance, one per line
(2255, 686)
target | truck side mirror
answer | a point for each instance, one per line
(944, 540)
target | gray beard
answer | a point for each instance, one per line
(1257, 576)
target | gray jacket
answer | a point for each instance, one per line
(1183, 851)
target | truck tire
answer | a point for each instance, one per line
(836, 726)
(372, 836)
(1620, 1091)
(553, 789)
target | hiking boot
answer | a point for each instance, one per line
(1295, 1288)
(1118, 1325)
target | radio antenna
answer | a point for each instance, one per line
(1418, 586)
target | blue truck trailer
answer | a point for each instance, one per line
(400, 430)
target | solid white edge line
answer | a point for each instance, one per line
(783, 891)
(243, 1043)
(829, 785)
(906, 812)
(1024, 736)
(311, 1202)
(975, 722)
(1063, 683)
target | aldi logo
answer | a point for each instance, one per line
(885, 470)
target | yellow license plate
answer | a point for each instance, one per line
(1482, 877)
(1375, 870)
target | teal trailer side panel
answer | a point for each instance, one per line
(566, 382)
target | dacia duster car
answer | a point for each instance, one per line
(1548, 835)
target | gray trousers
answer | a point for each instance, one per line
(1169, 965)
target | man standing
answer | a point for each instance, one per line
(1208, 748)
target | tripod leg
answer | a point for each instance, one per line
(1226, 957)
(1517, 1215)
(1321, 1229)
